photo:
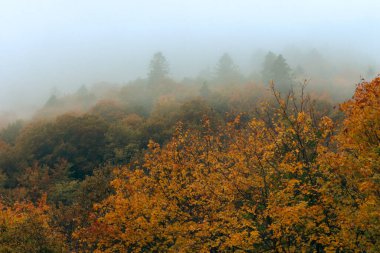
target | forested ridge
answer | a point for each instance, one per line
(226, 166)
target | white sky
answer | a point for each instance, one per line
(67, 43)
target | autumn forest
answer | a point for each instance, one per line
(234, 164)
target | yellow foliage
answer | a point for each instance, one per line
(275, 185)
(25, 227)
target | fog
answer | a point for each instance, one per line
(48, 45)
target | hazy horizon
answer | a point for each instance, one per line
(66, 44)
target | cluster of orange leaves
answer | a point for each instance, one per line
(290, 183)
(25, 227)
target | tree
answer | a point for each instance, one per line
(226, 71)
(266, 72)
(204, 91)
(11, 132)
(25, 227)
(85, 97)
(277, 70)
(356, 185)
(158, 68)
(79, 140)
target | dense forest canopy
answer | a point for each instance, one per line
(209, 165)
(189, 126)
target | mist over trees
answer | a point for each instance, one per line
(327, 71)
(227, 71)
(275, 69)
(190, 126)
(158, 69)
(220, 162)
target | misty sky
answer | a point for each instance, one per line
(68, 43)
